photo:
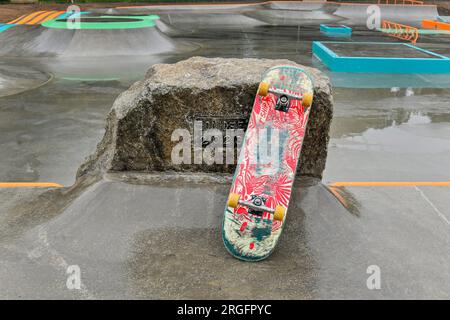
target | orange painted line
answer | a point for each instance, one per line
(429, 24)
(53, 16)
(29, 185)
(15, 20)
(391, 184)
(40, 17)
(29, 17)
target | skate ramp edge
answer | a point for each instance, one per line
(388, 12)
(40, 41)
(415, 61)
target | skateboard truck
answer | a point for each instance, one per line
(283, 101)
(257, 205)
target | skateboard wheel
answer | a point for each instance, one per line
(279, 213)
(233, 200)
(263, 89)
(307, 100)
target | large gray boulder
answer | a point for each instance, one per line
(219, 92)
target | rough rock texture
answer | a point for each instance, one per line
(218, 91)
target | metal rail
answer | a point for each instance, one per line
(404, 2)
(400, 31)
(255, 207)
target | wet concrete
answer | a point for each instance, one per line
(45, 132)
(16, 78)
(85, 86)
(163, 241)
(38, 41)
(397, 135)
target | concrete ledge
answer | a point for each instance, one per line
(219, 93)
(341, 30)
(433, 64)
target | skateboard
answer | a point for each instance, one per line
(256, 209)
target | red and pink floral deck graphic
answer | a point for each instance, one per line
(267, 165)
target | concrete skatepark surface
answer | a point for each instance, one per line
(145, 239)
(127, 252)
(39, 41)
(16, 79)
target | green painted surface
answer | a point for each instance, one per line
(90, 79)
(142, 22)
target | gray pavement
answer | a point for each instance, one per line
(15, 79)
(163, 240)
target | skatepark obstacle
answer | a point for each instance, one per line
(400, 31)
(403, 2)
(429, 24)
(203, 93)
(379, 57)
(337, 30)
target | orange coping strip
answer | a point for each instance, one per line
(29, 17)
(36, 17)
(429, 24)
(29, 185)
(391, 184)
(53, 16)
(15, 20)
(40, 17)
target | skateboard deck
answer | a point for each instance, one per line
(259, 197)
